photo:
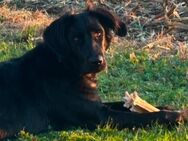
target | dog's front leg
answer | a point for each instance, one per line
(132, 119)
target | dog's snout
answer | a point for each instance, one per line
(98, 60)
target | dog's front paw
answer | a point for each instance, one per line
(175, 117)
(169, 117)
(184, 115)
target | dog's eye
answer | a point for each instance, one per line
(76, 39)
(98, 35)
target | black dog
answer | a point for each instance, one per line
(55, 83)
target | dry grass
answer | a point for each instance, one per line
(17, 20)
(183, 50)
(158, 26)
(23, 18)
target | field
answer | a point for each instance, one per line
(157, 69)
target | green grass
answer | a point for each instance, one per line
(161, 82)
(157, 133)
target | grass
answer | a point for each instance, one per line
(161, 81)
(158, 133)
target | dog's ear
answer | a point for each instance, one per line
(109, 20)
(55, 34)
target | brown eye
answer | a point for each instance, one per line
(98, 35)
(76, 39)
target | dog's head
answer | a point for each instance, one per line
(82, 39)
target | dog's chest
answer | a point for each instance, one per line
(89, 87)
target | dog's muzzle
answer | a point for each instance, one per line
(98, 60)
(97, 63)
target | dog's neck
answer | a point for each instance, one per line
(89, 87)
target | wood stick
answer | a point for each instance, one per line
(136, 104)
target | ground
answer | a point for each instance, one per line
(152, 59)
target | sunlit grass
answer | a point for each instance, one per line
(157, 133)
(162, 81)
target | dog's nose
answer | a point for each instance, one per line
(98, 60)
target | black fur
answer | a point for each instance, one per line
(55, 83)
